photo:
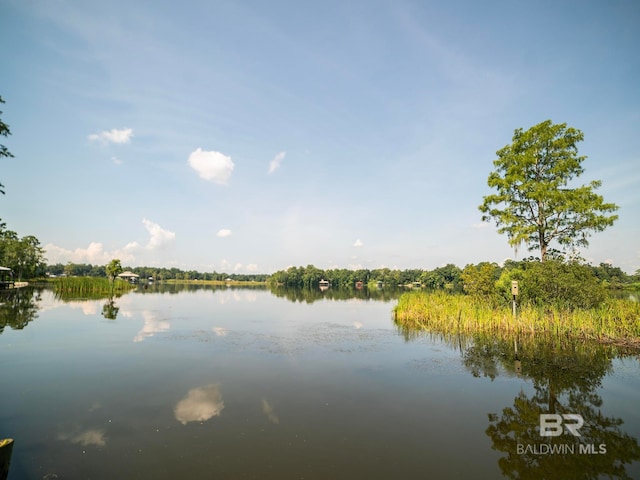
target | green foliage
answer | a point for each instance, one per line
(534, 203)
(566, 285)
(442, 277)
(480, 280)
(503, 284)
(611, 276)
(310, 276)
(22, 255)
(76, 270)
(4, 151)
(113, 269)
(158, 274)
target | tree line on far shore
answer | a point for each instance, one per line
(449, 276)
(472, 278)
(23, 255)
(156, 273)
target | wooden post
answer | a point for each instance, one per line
(514, 292)
(6, 448)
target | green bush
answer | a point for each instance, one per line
(565, 285)
(480, 280)
(503, 285)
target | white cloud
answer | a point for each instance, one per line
(160, 237)
(240, 267)
(112, 136)
(116, 160)
(480, 225)
(96, 254)
(211, 165)
(358, 243)
(225, 232)
(277, 160)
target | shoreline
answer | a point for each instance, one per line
(222, 283)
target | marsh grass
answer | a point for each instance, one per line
(616, 320)
(90, 287)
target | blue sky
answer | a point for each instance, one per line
(249, 136)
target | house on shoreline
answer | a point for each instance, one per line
(129, 276)
(6, 278)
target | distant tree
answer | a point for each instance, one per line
(610, 275)
(113, 269)
(4, 151)
(442, 277)
(533, 203)
(97, 271)
(57, 269)
(69, 269)
(29, 258)
(23, 255)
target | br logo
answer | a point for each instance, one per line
(551, 424)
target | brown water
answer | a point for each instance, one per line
(242, 383)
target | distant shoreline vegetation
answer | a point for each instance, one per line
(448, 277)
(474, 279)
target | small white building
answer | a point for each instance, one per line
(129, 276)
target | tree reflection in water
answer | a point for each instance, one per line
(19, 307)
(565, 374)
(110, 309)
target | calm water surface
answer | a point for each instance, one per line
(243, 383)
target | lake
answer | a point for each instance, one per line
(238, 383)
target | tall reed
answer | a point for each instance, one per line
(90, 286)
(616, 320)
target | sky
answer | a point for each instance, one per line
(250, 136)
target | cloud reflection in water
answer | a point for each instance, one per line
(199, 405)
(92, 436)
(152, 325)
(268, 410)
